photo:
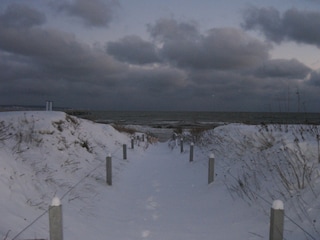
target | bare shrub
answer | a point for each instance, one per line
(124, 129)
(197, 132)
(297, 170)
(26, 135)
(46, 132)
(276, 161)
(73, 120)
(5, 131)
(58, 125)
(69, 121)
(84, 143)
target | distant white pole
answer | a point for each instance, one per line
(47, 105)
(211, 169)
(276, 221)
(55, 220)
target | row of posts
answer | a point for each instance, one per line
(210, 163)
(277, 209)
(109, 162)
(275, 233)
(55, 210)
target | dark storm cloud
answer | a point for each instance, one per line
(98, 13)
(237, 91)
(314, 78)
(133, 49)
(37, 63)
(283, 68)
(220, 48)
(54, 50)
(230, 91)
(266, 20)
(181, 68)
(21, 16)
(155, 80)
(232, 48)
(170, 30)
(296, 25)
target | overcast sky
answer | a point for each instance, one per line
(236, 55)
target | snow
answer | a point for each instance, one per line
(52, 158)
(55, 202)
(277, 205)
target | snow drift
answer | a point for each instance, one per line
(45, 154)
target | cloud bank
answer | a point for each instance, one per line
(178, 67)
(94, 13)
(293, 25)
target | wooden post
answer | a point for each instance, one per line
(191, 151)
(109, 170)
(55, 220)
(318, 139)
(276, 220)
(181, 145)
(132, 142)
(124, 151)
(211, 169)
(174, 136)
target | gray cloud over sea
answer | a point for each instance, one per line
(176, 66)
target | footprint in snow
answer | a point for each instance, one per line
(151, 204)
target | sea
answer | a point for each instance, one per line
(163, 123)
(169, 119)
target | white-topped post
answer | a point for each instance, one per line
(55, 220)
(276, 220)
(181, 145)
(318, 140)
(191, 151)
(211, 168)
(124, 151)
(132, 142)
(109, 169)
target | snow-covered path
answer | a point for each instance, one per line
(161, 195)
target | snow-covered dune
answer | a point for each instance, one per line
(266, 162)
(157, 193)
(44, 154)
